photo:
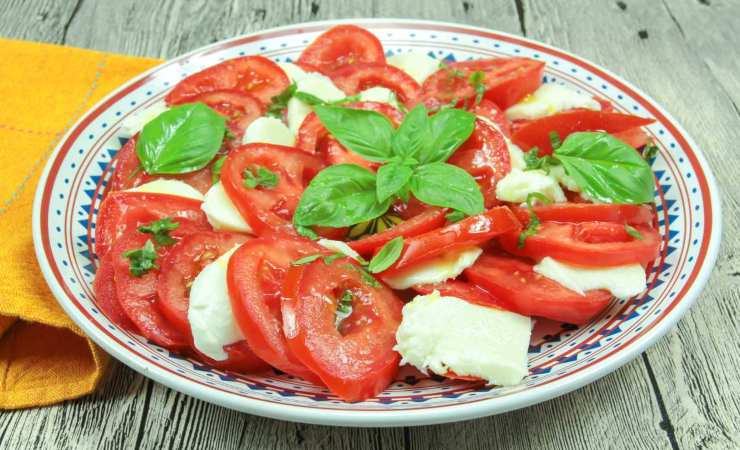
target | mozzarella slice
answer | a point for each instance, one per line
(171, 187)
(379, 94)
(444, 334)
(339, 247)
(622, 281)
(415, 63)
(221, 212)
(517, 184)
(312, 83)
(293, 71)
(549, 99)
(558, 172)
(269, 130)
(209, 312)
(134, 123)
(437, 270)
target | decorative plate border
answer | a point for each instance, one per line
(74, 180)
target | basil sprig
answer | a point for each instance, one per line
(180, 140)
(387, 255)
(413, 158)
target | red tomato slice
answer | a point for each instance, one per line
(255, 277)
(268, 208)
(358, 77)
(587, 243)
(104, 287)
(312, 132)
(119, 208)
(332, 152)
(488, 110)
(460, 289)
(128, 172)
(241, 108)
(426, 221)
(240, 358)
(589, 212)
(634, 137)
(535, 133)
(255, 75)
(465, 233)
(507, 80)
(357, 360)
(606, 105)
(138, 295)
(523, 290)
(183, 263)
(411, 209)
(340, 46)
(485, 156)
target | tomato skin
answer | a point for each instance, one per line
(488, 110)
(240, 358)
(145, 207)
(358, 77)
(272, 208)
(507, 80)
(184, 261)
(535, 133)
(634, 137)
(255, 276)
(485, 156)
(255, 75)
(465, 233)
(104, 287)
(241, 108)
(469, 292)
(340, 46)
(526, 292)
(587, 243)
(426, 221)
(357, 361)
(589, 212)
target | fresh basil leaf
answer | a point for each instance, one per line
(555, 141)
(309, 99)
(449, 186)
(387, 255)
(632, 231)
(606, 168)
(366, 133)
(344, 308)
(333, 257)
(260, 177)
(455, 216)
(391, 179)
(447, 130)
(280, 101)
(180, 140)
(410, 137)
(535, 162)
(340, 196)
(539, 196)
(160, 230)
(216, 169)
(534, 221)
(306, 232)
(142, 260)
(305, 260)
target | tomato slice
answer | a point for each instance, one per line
(485, 156)
(332, 152)
(523, 290)
(255, 277)
(634, 137)
(488, 110)
(465, 233)
(118, 208)
(104, 287)
(426, 221)
(340, 46)
(589, 212)
(312, 132)
(535, 133)
(239, 358)
(183, 263)
(587, 243)
(460, 289)
(266, 208)
(356, 360)
(128, 172)
(358, 77)
(255, 75)
(241, 108)
(507, 80)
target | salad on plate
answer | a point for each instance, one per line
(343, 215)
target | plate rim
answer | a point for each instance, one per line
(391, 418)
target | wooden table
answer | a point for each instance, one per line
(682, 393)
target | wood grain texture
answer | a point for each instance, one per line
(681, 394)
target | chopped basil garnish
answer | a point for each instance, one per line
(344, 308)
(142, 260)
(632, 231)
(387, 255)
(160, 230)
(280, 101)
(534, 221)
(259, 177)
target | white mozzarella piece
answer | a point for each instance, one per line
(445, 334)
(558, 172)
(381, 95)
(517, 184)
(135, 122)
(415, 63)
(549, 99)
(339, 247)
(209, 311)
(293, 71)
(168, 186)
(296, 113)
(221, 212)
(311, 83)
(622, 281)
(269, 130)
(437, 270)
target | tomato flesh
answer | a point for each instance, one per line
(358, 77)
(105, 294)
(426, 221)
(240, 358)
(522, 290)
(589, 212)
(469, 292)
(489, 111)
(340, 46)
(356, 361)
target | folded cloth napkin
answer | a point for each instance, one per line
(44, 357)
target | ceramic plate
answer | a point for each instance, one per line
(561, 357)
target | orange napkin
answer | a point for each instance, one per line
(44, 357)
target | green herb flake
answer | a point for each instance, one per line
(305, 260)
(306, 232)
(387, 255)
(344, 308)
(650, 151)
(534, 221)
(476, 80)
(160, 230)
(142, 260)
(555, 141)
(455, 216)
(364, 274)
(632, 231)
(333, 257)
(535, 162)
(280, 101)
(216, 169)
(259, 177)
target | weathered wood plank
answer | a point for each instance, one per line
(37, 20)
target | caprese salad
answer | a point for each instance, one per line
(345, 214)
